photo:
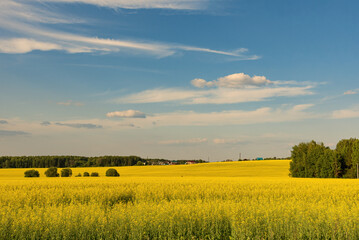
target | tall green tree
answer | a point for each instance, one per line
(355, 155)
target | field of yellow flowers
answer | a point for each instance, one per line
(238, 200)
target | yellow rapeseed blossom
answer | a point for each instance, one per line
(235, 200)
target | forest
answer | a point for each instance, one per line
(81, 161)
(314, 160)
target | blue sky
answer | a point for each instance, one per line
(176, 79)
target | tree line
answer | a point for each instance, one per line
(67, 172)
(314, 160)
(79, 161)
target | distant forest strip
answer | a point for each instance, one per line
(80, 161)
(314, 160)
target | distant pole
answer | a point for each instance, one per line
(240, 156)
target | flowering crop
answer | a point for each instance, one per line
(251, 200)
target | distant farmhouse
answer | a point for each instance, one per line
(191, 162)
(228, 160)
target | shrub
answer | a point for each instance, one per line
(94, 174)
(111, 172)
(139, 163)
(66, 172)
(51, 172)
(78, 175)
(86, 174)
(32, 173)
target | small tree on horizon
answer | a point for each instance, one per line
(32, 173)
(52, 172)
(86, 174)
(94, 174)
(111, 172)
(66, 172)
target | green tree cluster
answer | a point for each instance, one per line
(52, 172)
(111, 172)
(66, 172)
(314, 160)
(32, 173)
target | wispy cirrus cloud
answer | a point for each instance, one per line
(3, 122)
(141, 4)
(28, 20)
(23, 45)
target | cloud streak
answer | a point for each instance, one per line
(183, 142)
(345, 113)
(350, 92)
(141, 4)
(213, 96)
(7, 133)
(80, 125)
(236, 80)
(70, 103)
(234, 117)
(20, 18)
(127, 114)
(233, 88)
(23, 45)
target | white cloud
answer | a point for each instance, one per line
(80, 125)
(187, 141)
(24, 11)
(6, 133)
(201, 83)
(185, 118)
(225, 141)
(345, 113)
(234, 88)
(158, 95)
(236, 80)
(127, 114)
(23, 45)
(350, 92)
(213, 96)
(302, 107)
(70, 103)
(138, 4)
(19, 17)
(234, 117)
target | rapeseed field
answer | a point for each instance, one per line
(235, 200)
